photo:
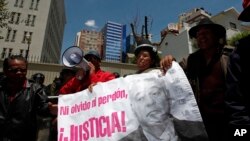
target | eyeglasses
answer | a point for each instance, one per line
(17, 70)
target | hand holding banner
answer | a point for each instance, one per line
(139, 107)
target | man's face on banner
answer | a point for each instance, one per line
(150, 103)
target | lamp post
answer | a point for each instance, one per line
(28, 38)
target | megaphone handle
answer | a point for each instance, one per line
(85, 60)
(85, 67)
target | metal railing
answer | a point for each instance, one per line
(51, 70)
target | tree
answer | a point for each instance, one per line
(4, 15)
(233, 40)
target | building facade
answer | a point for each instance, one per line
(178, 43)
(114, 48)
(229, 19)
(36, 29)
(89, 40)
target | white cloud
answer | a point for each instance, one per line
(90, 23)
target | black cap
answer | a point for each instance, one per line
(38, 77)
(206, 22)
(92, 53)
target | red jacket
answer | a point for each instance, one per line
(75, 85)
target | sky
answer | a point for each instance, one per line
(93, 14)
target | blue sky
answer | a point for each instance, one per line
(93, 14)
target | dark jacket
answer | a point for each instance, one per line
(208, 83)
(137, 135)
(238, 93)
(18, 117)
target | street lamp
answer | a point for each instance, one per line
(28, 38)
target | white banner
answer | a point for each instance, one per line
(146, 106)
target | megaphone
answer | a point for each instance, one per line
(74, 56)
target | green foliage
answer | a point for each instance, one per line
(232, 41)
(133, 60)
(4, 14)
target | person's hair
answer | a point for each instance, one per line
(93, 53)
(116, 74)
(13, 57)
(68, 71)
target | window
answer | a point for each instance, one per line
(13, 36)
(28, 20)
(21, 52)
(24, 36)
(37, 3)
(12, 17)
(21, 4)
(18, 18)
(16, 3)
(31, 4)
(4, 52)
(31, 35)
(33, 20)
(8, 35)
(10, 51)
(233, 25)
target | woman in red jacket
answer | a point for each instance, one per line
(84, 79)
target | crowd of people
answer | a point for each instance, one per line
(219, 81)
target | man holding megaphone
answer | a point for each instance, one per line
(87, 76)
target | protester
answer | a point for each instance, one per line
(160, 128)
(42, 122)
(84, 79)
(20, 102)
(2, 76)
(38, 78)
(52, 89)
(96, 74)
(67, 74)
(147, 59)
(206, 70)
(238, 97)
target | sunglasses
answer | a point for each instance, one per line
(17, 70)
